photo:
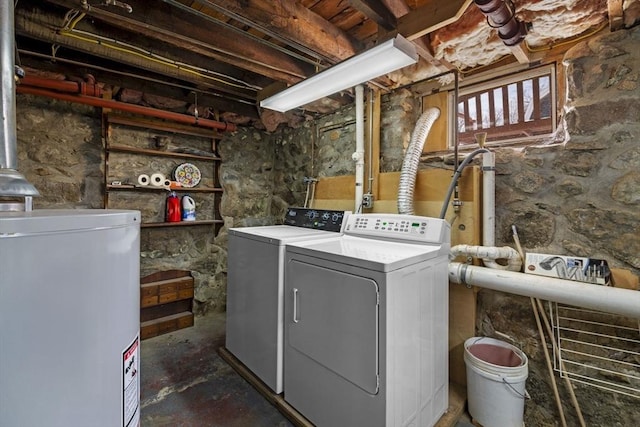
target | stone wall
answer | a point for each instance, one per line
(579, 198)
(60, 151)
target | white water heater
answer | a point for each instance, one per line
(69, 318)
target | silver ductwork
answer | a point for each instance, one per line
(412, 160)
(12, 183)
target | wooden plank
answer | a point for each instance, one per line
(433, 15)
(163, 310)
(193, 130)
(165, 325)
(275, 399)
(376, 11)
(457, 401)
(165, 275)
(336, 187)
(289, 20)
(431, 184)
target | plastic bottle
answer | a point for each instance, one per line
(188, 208)
(173, 208)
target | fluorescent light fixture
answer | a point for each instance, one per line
(384, 58)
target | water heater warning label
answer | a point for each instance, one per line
(131, 385)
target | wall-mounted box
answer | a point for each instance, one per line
(580, 269)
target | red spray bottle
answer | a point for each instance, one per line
(173, 208)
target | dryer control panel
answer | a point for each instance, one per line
(319, 219)
(420, 229)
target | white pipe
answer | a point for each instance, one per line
(358, 156)
(488, 198)
(489, 255)
(620, 301)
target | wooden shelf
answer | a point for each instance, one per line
(164, 325)
(166, 302)
(150, 152)
(163, 126)
(181, 223)
(125, 187)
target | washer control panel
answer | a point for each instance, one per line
(320, 219)
(399, 227)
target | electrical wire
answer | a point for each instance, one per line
(73, 17)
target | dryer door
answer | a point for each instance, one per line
(334, 322)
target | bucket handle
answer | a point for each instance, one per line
(525, 396)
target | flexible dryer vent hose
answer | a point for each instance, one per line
(412, 159)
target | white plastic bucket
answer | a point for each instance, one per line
(496, 377)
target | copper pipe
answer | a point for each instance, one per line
(129, 108)
(503, 17)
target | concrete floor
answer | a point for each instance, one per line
(185, 383)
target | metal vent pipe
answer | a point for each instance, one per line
(412, 160)
(12, 183)
(502, 16)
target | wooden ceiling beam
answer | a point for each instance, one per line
(376, 11)
(197, 35)
(289, 21)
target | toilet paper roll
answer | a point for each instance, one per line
(157, 179)
(143, 179)
(167, 184)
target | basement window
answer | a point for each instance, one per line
(517, 108)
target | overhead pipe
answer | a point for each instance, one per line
(129, 108)
(89, 88)
(624, 302)
(412, 159)
(502, 16)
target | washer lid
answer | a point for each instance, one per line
(368, 253)
(279, 234)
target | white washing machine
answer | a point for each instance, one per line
(366, 323)
(255, 287)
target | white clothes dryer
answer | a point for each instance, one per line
(255, 287)
(366, 323)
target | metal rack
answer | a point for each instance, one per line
(597, 349)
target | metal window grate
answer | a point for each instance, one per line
(597, 349)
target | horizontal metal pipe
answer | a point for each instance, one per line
(129, 108)
(620, 301)
(84, 88)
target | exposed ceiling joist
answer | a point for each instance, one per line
(237, 50)
(289, 20)
(201, 37)
(376, 11)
